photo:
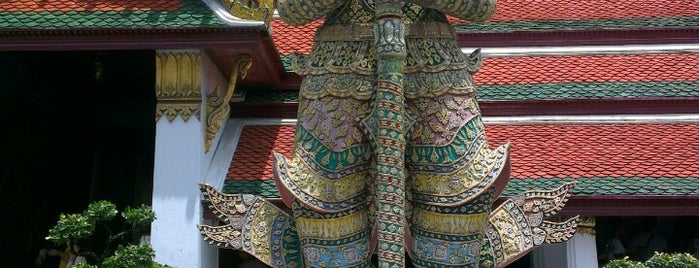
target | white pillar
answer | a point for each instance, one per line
(578, 252)
(176, 197)
(582, 251)
(181, 160)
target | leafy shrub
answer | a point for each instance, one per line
(132, 256)
(624, 263)
(74, 229)
(672, 260)
(658, 260)
(71, 227)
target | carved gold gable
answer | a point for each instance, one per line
(257, 10)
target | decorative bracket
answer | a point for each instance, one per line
(218, 102)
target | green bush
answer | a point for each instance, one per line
(624, 263)
(672, 260)
(71, 227)
(132, 256)
(75, 229)
(658, 260)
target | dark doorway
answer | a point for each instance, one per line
(76, 127)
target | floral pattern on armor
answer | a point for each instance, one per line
(438, 120)
(468, 183)
(327, 120)
(347, 69)
(430, 250)
(320, 195)
(333, 239)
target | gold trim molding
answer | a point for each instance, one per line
(177, 85)
(587, 225)
(218, 102)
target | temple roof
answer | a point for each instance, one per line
(608, 159)
(615, 160)
(80, 14)
(540, 15)
(557, 15)
(537, 16)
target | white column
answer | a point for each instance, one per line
(582, 251)
(181, 161)
(578, 252)
(179, 150)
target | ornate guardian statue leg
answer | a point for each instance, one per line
(452, 176)
(325, 181)
(345, 188)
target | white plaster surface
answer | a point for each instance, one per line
(582, 251)
(178, 168)
(578, 252)
(180, 165)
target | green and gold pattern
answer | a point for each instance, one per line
(386, 127)
(518, 225)
(253, 225)
(390, 154)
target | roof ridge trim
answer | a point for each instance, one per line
(498, 52)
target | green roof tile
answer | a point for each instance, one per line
(550, 91)
(193, 13)
(266, 189)
(589, 90)
(558, 25)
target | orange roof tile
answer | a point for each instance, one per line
(538, 151)
(294, 39)
(298, 39)
(253, 156)
(88, 5)
(578, 151)
(603, 68)
(528, 10)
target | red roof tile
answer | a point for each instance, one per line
(538, 151)
(607, 68)
(253, 156)
(88, 5)
(600, 150)
(293, 39)
(528, 10)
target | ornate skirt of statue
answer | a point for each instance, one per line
(452, 174)
(450, 169)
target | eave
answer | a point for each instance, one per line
(222, 43)
(128, 39)
(630, 206)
